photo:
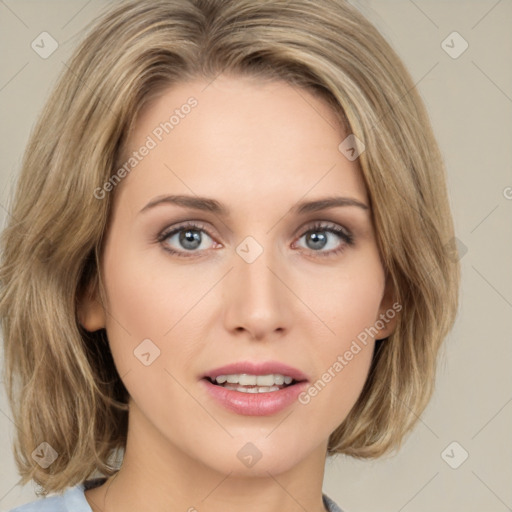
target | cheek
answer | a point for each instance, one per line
(142, 295)
(347, 299)
(145, 314)
(139, 307)
(151, 299)
(349, 307)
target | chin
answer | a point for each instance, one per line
(253, 455)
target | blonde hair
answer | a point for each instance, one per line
(61, 381)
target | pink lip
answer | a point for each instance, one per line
(255, 404)
(261, 368)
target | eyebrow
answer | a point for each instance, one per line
(214, 206)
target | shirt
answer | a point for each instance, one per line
(73, 500)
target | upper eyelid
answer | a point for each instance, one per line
(172, 230)
(201, 226)
(346, 236)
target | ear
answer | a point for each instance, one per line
(90, 311)
(389, 310)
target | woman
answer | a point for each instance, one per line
(229, 258)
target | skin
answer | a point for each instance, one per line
(259, 148)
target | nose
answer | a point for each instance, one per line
(257, 301)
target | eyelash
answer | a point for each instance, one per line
(347, 237)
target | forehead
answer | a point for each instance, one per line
(241, 140)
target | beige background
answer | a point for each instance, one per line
(470, 102)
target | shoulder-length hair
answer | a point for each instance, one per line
(62, 385)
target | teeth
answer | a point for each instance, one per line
(250, 380)
(256, 389)
(279, 379)
(263, 381)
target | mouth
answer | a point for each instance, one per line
(247, 383)
(255, 389)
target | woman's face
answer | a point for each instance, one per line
(259, 274)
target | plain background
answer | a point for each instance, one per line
(469, 99)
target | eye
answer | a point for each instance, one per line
(320, 236)
(190, 238)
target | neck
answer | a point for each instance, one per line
(158, 475)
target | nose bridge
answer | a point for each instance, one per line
(256, 267)
(256, 297)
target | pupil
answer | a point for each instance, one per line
(190, 239)
(319, 241)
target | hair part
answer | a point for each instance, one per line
(61, 381)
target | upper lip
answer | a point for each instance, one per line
(257, 368)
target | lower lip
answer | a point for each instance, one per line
(255, 404)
